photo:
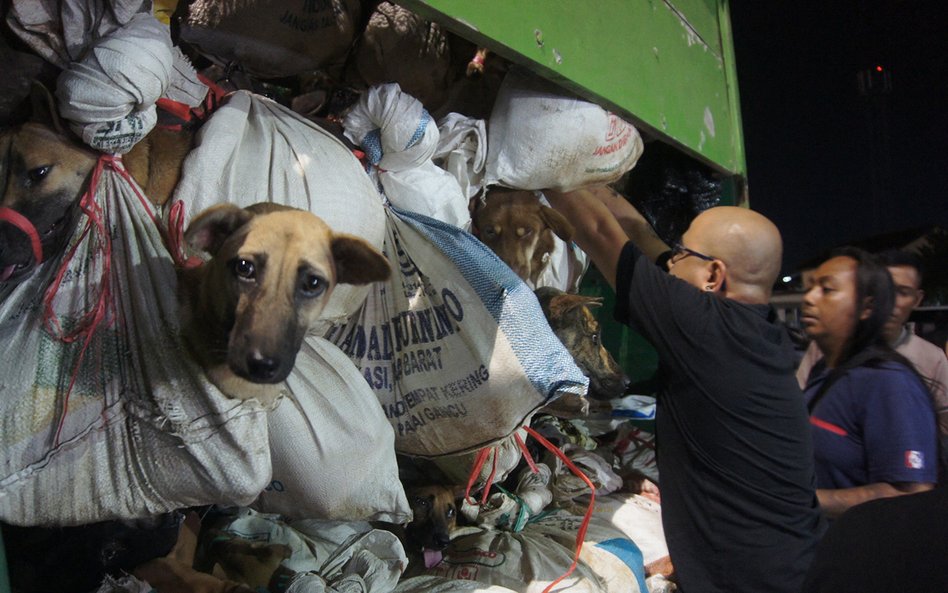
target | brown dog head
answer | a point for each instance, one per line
(42, 175)
(574, 324)
(520, 230)
(434, 518)
(272, 272)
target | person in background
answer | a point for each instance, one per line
(733, 447)
(871, 416)
(930, 362)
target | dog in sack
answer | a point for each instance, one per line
(572, 320)
(246, 311)
(86, 285)
(45, 171)
(101, 382)
(530, 237)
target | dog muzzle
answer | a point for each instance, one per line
(23, 223)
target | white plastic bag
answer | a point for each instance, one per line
(462, 151)
(400, 139)
(540, 136)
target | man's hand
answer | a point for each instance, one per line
(604, 221)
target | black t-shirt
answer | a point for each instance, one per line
(735, 458)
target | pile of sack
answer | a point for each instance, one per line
(114, 420)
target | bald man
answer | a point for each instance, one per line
(735, 458)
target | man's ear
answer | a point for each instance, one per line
(919, 297)
(717, 276)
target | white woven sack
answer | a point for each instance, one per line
(454, 344)
(400, 138)
(531, 559)
(253, 150)
(332, 448)
(431, 584)
(117, 61)
(328, 556)
(637, 518)
(462, 151)
(540, 136)
(143, 431)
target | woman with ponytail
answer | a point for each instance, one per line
(873, 423)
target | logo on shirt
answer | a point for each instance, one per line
(914, 459)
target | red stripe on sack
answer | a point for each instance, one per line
(827, 426)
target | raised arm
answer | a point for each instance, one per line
(835, 502)
(604, 222)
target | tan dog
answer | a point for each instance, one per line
(434, 518)
(520, 230)
(571, 319)
(43, 172)
(245, 312)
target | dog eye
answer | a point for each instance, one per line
(313, 285)
(422, 502)
(449, 513)
(595, 338)
(38, 174)
(489, 234)
(245, 269)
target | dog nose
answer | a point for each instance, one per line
(262, 367)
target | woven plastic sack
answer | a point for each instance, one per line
(117, 61)
(531, 559)
(270, 39)
(331, 446)
(102, 412)
(454, 344)
(540, 136)
(254, 150)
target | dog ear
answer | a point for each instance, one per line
(357, 262)
(561, 227)
(564, 303)
(209, 229)
(44, 107)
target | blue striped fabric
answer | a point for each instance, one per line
(546, 362)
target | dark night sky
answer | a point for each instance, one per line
(825, 163)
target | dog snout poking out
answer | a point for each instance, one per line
(516, 226)
(44, 171)
(42, 174)
(434, 518)
(571, 319)
(272, 271)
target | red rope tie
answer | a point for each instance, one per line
(526, 453)
(175, 238)
(103, 308)
(23, 223)
(490, 478)
(581, 534)
(475, 472)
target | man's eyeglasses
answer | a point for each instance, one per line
(680, 252)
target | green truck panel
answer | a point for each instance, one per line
(667, 65)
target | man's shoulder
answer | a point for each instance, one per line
(927, 357)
